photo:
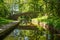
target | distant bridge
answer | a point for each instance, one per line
(29, 14)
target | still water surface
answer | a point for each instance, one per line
(18, 34)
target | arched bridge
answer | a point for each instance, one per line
(29, 14)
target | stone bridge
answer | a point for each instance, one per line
(29, 14)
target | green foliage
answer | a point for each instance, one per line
(52, 21)
(4, 21)
(3, 10)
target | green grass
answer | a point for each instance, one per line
(4, 21)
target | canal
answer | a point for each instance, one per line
(20, 34)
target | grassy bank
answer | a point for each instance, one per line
(4, 21)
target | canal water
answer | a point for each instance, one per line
(18, 34)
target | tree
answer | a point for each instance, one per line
(3, 9)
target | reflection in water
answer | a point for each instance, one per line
(26, 38)
(18, 34)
